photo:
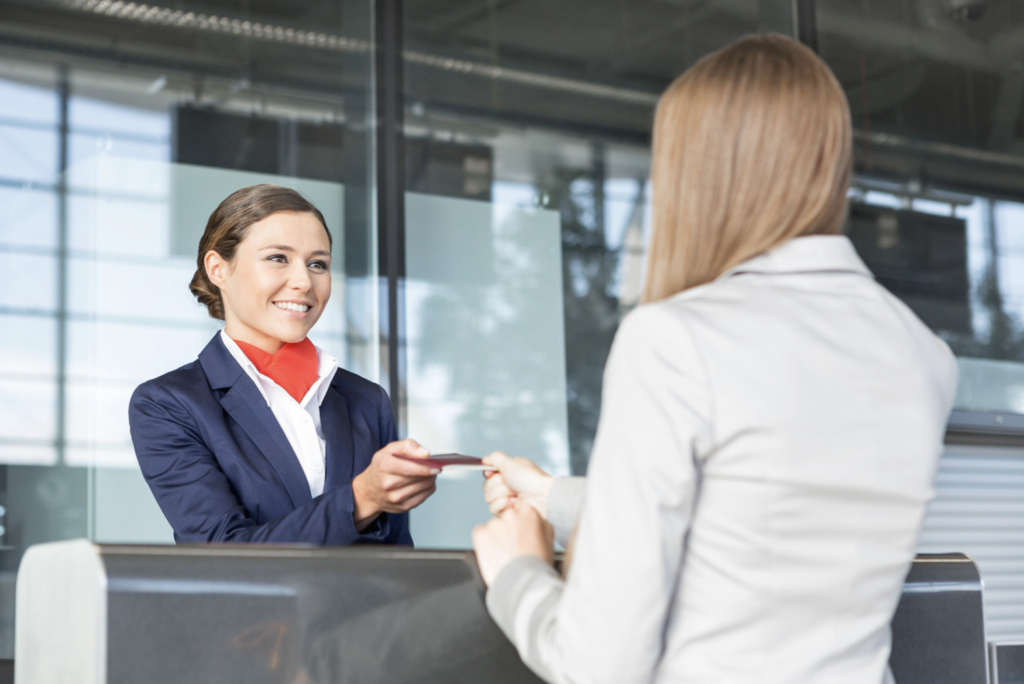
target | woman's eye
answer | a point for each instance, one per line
(279, 258)
(319, 265)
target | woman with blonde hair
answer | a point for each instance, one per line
(772, 418)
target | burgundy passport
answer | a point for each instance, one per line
(445, 460)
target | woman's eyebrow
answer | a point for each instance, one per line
(286, 248)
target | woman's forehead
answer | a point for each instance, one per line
(298, 230)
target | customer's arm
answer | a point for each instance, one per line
(608, 622)
(565, 503)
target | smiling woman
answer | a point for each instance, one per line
(264, 438)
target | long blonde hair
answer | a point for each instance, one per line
(751, 147)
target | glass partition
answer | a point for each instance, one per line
(486, 345)
(527, 130)
(111, 160)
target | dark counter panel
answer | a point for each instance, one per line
(298, 615)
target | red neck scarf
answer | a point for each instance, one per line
(294, 367)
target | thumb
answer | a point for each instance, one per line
(497, 459)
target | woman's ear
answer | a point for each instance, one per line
(217, 268)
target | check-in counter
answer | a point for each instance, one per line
(1006, 662)
(93, 614)
(97, 614)
(938, 632)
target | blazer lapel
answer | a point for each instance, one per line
(337, 429)
(244, 403)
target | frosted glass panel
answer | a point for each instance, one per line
(486, 346)
(199, 189)
(990, 385)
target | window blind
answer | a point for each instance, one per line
(979, 510)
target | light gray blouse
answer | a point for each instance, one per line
(767, 446)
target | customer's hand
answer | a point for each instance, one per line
(520, 531)
(517, 479)
(392, 485)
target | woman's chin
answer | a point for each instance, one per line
(291, 337)
(288, 334)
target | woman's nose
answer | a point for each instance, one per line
(299, 278)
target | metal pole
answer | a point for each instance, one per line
(806, 24)
(391, 200)
(63, 95)
(793, 18)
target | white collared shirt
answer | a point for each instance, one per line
(299, 420)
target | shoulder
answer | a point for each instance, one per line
(175, 388)
(661, 327)
(657, 341)
(356, 388)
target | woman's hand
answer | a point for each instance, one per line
(392, 485)
(520, 531)
(516, 479)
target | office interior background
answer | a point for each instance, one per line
(483, 166)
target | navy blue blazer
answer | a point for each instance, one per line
(222, 469)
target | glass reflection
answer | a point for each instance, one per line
(486, 348)
(934, 91)
(96, 213)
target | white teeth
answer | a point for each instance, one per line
(288, 306)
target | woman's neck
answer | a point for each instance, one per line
(243, 333)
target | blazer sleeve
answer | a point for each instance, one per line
(196, 496)
(607, 623)
(397, 524)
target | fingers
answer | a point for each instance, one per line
(393, 482)
(398, 467)
(415, 500)
(407, 497)
(408, 447)
(499, 506)
(495, 487)
(488, 530)
(525, 514)
(387, 463)
(498, 495)
(496, 459)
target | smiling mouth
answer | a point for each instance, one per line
(290, 306)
